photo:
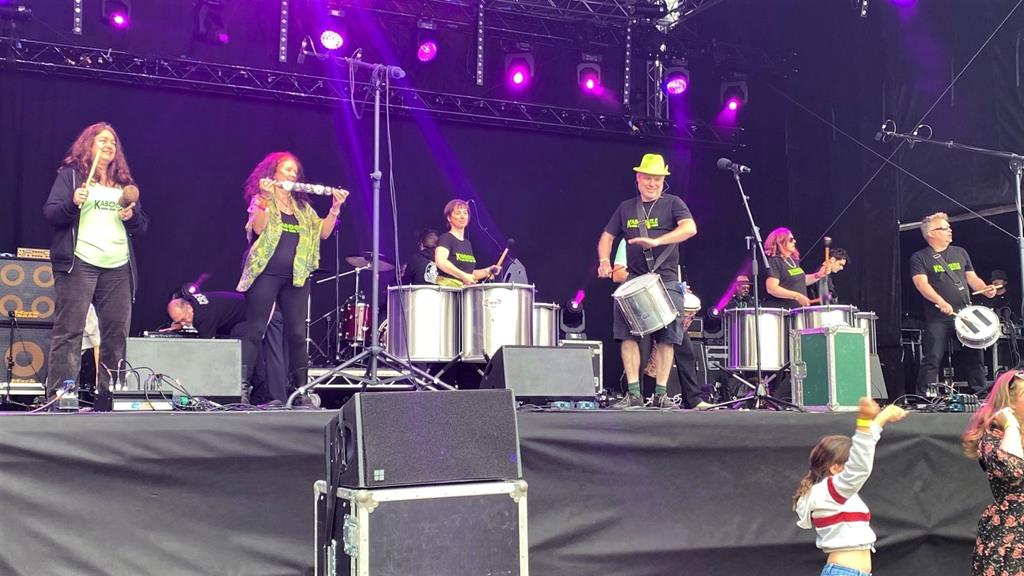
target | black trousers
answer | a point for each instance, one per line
(109, 290)
(291, 302)
(934, 340)
(270, 378)
(686, 368)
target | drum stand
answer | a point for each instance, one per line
(374, 354)
(760, 396)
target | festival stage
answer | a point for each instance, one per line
(627, 493)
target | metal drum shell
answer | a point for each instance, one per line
(740, 336)
(495, 315)
(545, 324)
(977, 327)
(645, 304)
(423, 322)
(867, 320)
(822, 316)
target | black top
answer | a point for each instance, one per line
(830, 289)
(925, 262)
(791, 277)
(282, 261)
(460, 253)
(663, 216)
(214, 314)
(421, 268)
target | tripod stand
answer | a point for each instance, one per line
(759, 397)
(374, 355)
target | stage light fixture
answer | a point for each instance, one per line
(572, 320)
(426, 40)
(333, 31)
(675, 80)
(519, 69)
(117, 13)
(15, 10)
(588, 74)
(734, 95)
(649, 10)
(209, 25)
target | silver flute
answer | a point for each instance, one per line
(317, 189)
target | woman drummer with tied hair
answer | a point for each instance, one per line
(453, 255)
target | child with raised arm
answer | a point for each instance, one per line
(827, 498)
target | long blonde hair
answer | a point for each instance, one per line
(829, 451)
(1006, 390)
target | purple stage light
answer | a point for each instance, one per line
(676, 85)
(733, 104)
(589, 81)
(519, 76)
(427, 51)
(331, 39)
(580, 295)
(518, 70)
(119, 19)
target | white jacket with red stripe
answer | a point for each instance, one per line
(832, 506)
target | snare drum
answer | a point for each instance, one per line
(355, 321)
(740, 335)
(645, 304)
(977, 327)
(495, 315)
(545, 324)
(423, 323)
(866, 320)
(822, 316)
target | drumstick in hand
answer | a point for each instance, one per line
(92, 171)
(992, 286)
(502, 258)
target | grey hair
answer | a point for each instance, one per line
(926, 222)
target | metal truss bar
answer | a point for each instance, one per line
(110, 65)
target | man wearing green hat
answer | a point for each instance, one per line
(667, 222)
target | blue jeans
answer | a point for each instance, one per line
(836, 570)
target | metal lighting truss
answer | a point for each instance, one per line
(111, 65)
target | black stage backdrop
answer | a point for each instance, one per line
(645, 493)
(810, 128)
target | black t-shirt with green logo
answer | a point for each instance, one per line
(282, 261)
(663, 216)
(925, 262)
(791, 277)
(460, 253)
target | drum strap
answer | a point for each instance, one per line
(956, 282)
(641, 216)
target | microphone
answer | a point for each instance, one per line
(394, 72)
(880, 133)
(302, 51)
(729, 165)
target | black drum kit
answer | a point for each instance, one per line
(351, 316)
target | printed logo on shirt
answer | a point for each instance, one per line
(795, 271)
(430, 273)
(107, 205)
(293, 228)
(635, 223)
(460, 257)
(937, 268)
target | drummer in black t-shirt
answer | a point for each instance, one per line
(456, 264)
(787, 282)
(222, 315)
(668, 222)
(943, 274)
(421, 268)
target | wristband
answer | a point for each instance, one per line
(864, 422)
(603, 260)
(333, 213)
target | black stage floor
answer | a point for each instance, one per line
(624, 493)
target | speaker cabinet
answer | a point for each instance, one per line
(542, 372)
(416, 438)
(31, 349)
(209, 368)
(26, 288)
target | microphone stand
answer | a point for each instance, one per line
(374, 354)
(759, 397)
(1016, 166)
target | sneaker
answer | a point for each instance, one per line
(663, 401)
(629, 401)
(702, 405)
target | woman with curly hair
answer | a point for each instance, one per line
(994, 437)
(94, 210)
(828, 499)
(285, 233)
(786, 282)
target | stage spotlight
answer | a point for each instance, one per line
(572, 320)
(426, 40)
(649, 10)
(588, 76)
(675, 80)
(117, 13)
(734, 95)
(15, 10)
(209, 25)
(714, 312)
(519, 69)
(332, 32)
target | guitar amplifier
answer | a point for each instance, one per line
(26, 288)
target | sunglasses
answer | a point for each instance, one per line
(943, 228)
(791, 239)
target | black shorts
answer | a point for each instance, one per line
(671, 334)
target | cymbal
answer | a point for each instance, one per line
(362, 259)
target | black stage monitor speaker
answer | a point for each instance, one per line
(31, 352)
(208, 368)
(414, 438)
(542, 372)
